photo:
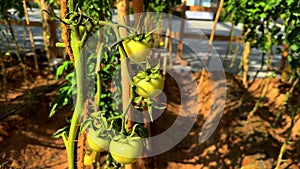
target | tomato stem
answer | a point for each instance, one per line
(80, 99)
(97, 71)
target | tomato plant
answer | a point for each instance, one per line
(104, 111)
(126, 151)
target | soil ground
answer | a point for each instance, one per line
(239, 141)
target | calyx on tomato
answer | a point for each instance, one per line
(126, 151)
(148, 83)
(98, 133)
(136, 49)
(96, 142)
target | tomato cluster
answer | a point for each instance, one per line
(125, 148)
(148, 82)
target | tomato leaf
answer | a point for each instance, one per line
(293, 35)
(59, 132)
(103, 122)
(60, 70)
(138, 99)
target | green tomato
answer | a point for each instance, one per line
(148, 85)
(82, 30)
(98, 144)
(136, 50)
(126, 151)
(88, 159)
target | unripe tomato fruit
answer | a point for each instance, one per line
(126, 151)
(148, 85)
(136, 50)
(88, 159)
(98, 144)
(82, 29)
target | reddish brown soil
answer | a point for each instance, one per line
(26, 142)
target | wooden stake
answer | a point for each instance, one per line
(180, 43)
(123, 12)
(246, 54)
(285, 54)
(36, 65)
(211, 39)
(138, 8)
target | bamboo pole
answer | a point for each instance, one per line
(123, 12)
(180, 43)
(246, 54)
(211, 39)
(229, 47)
(138, 7)
(20, 59)
(285, 54)
(4, 85)
(50, 28)
(36, 65)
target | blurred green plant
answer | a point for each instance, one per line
(160, 5)
(267, 24)
(15, 5)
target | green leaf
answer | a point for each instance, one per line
(138, 99)
(53, 110)
(70, 77)
(61, 100)
(59, 132)
(68, 119)
(293, 35)
(294, 47)
(60, 70)
(103, 122)
(51, 2)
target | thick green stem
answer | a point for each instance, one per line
(80, 99)
(72, 5)
(98, 68)
(81, 94)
